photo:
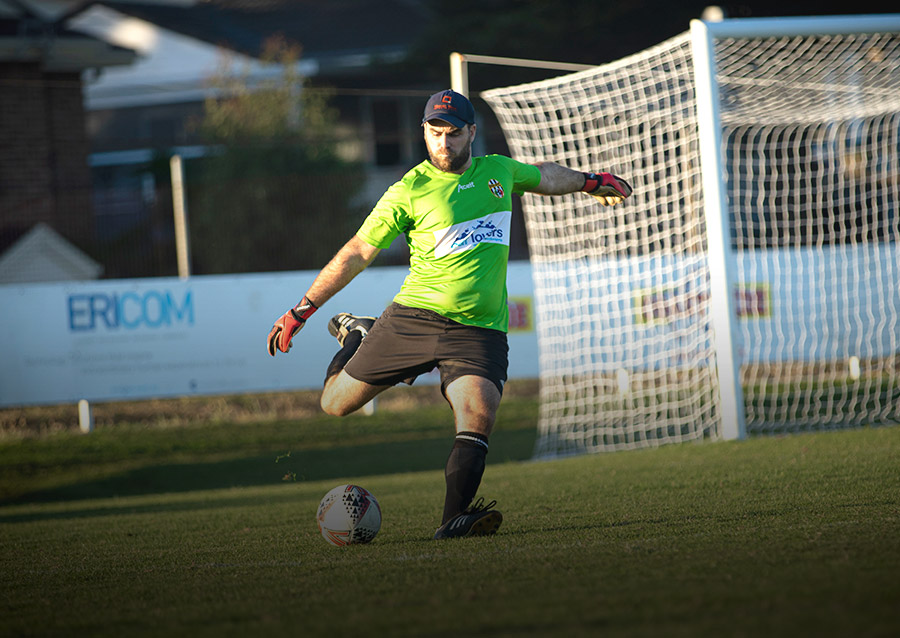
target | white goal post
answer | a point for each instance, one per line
(750, 285)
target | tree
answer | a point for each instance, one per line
(275, 196)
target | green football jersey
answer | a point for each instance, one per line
(457, 228)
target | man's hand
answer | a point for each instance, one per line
(606, 188)
(288, 325)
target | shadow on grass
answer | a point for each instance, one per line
(117, 509)
(347, 462)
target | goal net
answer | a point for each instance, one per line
(808, 139)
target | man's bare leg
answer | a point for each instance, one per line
(474, 401)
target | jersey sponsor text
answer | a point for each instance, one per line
(492, 229)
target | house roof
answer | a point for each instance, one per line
(42, 254)
(28, 36)
(336, 33)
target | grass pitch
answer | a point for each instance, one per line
(207, 529)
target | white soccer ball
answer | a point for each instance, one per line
(348, 514)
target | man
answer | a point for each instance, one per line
(451, 311)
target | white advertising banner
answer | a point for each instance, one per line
(823, 304)
(129, 339)
(143, 338)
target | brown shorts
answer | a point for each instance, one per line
(406, 342)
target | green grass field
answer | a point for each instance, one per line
(207, 528)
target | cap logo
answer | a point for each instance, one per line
(451, 106)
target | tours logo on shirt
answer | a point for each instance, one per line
(490, 229)
(496, 188)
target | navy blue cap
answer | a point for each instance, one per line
(451, 107)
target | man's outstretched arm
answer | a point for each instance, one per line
(556, 179)
(352, 259)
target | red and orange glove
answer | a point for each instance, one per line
(288, 325)
(606, 188)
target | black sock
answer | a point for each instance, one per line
(351, 345)
(463, 473)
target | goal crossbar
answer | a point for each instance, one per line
(802, 26)
(459, 74)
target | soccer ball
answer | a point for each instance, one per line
(347, 515)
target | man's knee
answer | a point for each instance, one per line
(333, 407)
(474, 401)
(333, 403)
(344, 395)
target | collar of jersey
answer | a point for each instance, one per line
(434, 171)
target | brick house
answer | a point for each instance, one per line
(79, 139)
(44, 173)
(120, 122)
(139, 115)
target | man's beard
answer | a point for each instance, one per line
(453, 163)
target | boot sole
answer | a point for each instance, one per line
(486, 525)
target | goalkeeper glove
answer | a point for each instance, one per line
(288, 325)
(606, 188)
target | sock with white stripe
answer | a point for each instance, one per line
(463, 473)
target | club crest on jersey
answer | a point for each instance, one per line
(496, 188)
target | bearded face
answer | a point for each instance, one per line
(449, 147)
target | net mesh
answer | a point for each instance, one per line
(625, 351)
(810, 144)
(810, 135)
